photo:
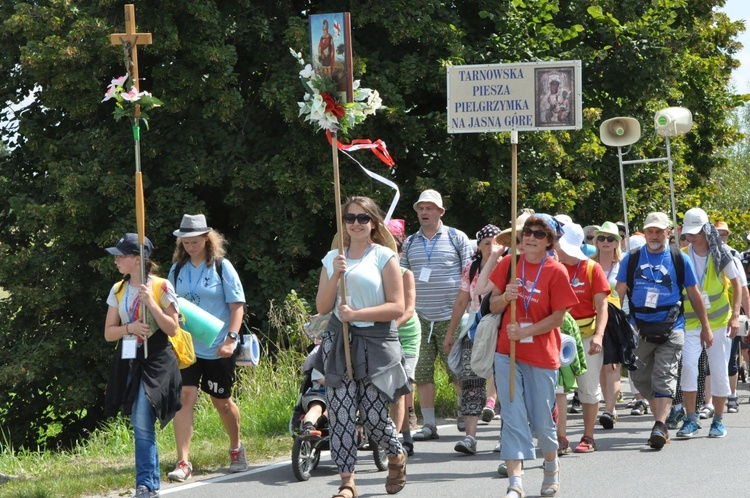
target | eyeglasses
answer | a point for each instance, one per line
(608, 238)
(589, 237)
(538, 234)
(683, 238)
(362, 218)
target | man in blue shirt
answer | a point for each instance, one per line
(656, 307)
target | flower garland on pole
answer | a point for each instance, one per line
(321, 107)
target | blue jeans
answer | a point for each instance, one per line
(143, 419)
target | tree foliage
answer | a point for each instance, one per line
(228, 143)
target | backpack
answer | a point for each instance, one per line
(182, 341)
(452, 236)
(679, 267)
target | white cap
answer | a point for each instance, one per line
(693, 221)
(636, 242)
(571, 240)
(432, 196)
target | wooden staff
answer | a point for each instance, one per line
(513, 235)
(340, 230)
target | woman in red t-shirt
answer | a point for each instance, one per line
(543, 294)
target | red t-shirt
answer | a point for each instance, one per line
(551, 293)
(585, 291)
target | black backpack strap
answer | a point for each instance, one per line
(679, 266)
(633, 258)
(473, 269)
(176, 272)
(219, 265)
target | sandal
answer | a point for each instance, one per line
(427, 432)
(516, 489)
(396, 483)
(551, 489)
(352, 489)
(587, 445)
(608, 420)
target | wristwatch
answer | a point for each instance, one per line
(233, 335)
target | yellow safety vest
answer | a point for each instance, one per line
(718, 290)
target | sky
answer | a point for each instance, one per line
(739, 10)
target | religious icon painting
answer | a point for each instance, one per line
(555, 90)
(331, 47)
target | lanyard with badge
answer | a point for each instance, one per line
(424, 274)
(130, 342)
(526, 321)
(701, 278)
(192, 289)
(652, 294)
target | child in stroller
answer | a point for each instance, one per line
(309, 423)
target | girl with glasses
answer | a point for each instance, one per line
(374, 300)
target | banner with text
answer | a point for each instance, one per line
(527, 96)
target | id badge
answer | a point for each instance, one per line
(652, 298)
(523, 323)
(129, 345)
(706, 300)
(424, 275)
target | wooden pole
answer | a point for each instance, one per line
(513, 236)
(340, 230)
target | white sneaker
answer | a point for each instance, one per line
(468, 445)
(182, 472)
(498, 447)
(238, 459)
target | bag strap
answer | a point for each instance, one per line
(218, 264)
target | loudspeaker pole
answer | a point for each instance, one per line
(624, 201)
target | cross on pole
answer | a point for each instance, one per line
(130, 41)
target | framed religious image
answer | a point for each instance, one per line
(331, 47)
(555, 89)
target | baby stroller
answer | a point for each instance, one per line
(306, 451)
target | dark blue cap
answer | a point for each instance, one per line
(128, 245)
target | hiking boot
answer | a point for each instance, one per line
(707, 412)
(467, 445)
(575, 405)
(502, 469)
(238, 459)
(675, 417)
(689, 429)
(182, 472)
(640, 407)
(733, 405)
(659, 437)
(717, 430)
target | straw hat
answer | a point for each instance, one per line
(504, 237)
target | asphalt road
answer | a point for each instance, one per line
(623, 466)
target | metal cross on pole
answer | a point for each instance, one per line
(130, 41)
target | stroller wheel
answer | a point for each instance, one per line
(305, 458)
(379, 455)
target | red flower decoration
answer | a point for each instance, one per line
(332, 106)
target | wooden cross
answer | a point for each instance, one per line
(130, 41)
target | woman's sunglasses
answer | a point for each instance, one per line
(608, 238)
(589, 237)
(362, 218)
(538, 234)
